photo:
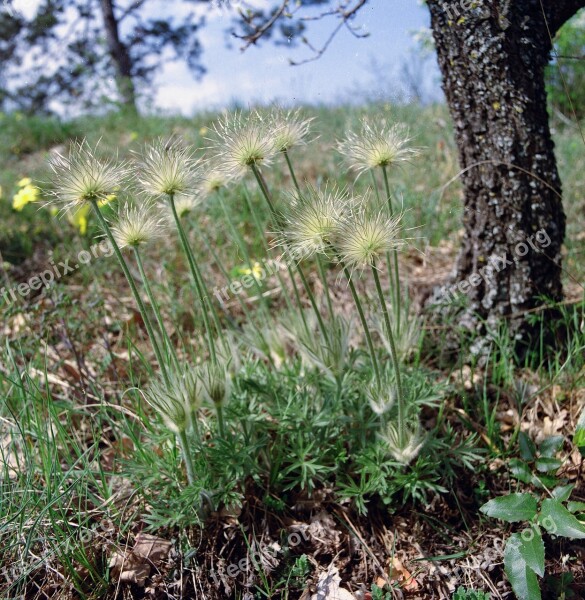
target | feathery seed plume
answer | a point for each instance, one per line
(177, 401)
(377, 146)
(312, 218)
(168, 168)
(365, 236)
(137, 225)
(241, 142)
(80, 177)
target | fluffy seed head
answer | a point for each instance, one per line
(377, 146)
(137, 225)
(177, 401)
(404, 451)
(216, 383)
(212, 180)
(311, 219)
(288, 129)
(168, 168)
(80, 177)
(381, 401)
(366, 236)
(184, 204)
(241, 142)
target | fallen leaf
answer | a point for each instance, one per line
(328, 587)
(135, 565)
(400, 575)
(151, 548)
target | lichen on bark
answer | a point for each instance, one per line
(492, 55)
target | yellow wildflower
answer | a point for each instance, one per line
(28, 193)
(256, 271)
(109, 198)
(78, 218)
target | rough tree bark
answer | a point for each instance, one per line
(120, 56)
(492, 55)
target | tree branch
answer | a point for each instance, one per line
(260, 31)
(134, 6)
(342, 11)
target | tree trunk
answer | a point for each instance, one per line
(120, 56)
(492, 55)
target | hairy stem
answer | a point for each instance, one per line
(155, 308)
(196, 274)
(184, 444)
(266, 194)
(134, 289)
(397, 291)
(220, 420)
(292, 171)
(363, 320)
(320, 268)
(393, 356)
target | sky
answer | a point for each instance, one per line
(263, 74)
(350, 70)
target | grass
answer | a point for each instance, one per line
(87, 468)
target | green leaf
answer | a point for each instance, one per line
(563, 492)
(511, 508)
(576, 506)
(545, 464)
(520, 470)
(522, 578)
(551, 445)
(532, 549)
(527, 447)
(579, 437)
(556, 519)
(542, 481)
(579, 440)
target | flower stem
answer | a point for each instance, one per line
(363, 320)
(323, 275)
(244, 250)
(393, 356)
(266, 193)
(220, 420)
(134, 289)
(398, 293)
(195, 273)
(261, 233)
(264, 189)
(291, 171)
(319, 261)
(155, 308)
(184, 444)
(241, 302)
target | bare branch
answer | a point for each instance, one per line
(345, 16)
(260, 31)
(134, 6)
(344, 12)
